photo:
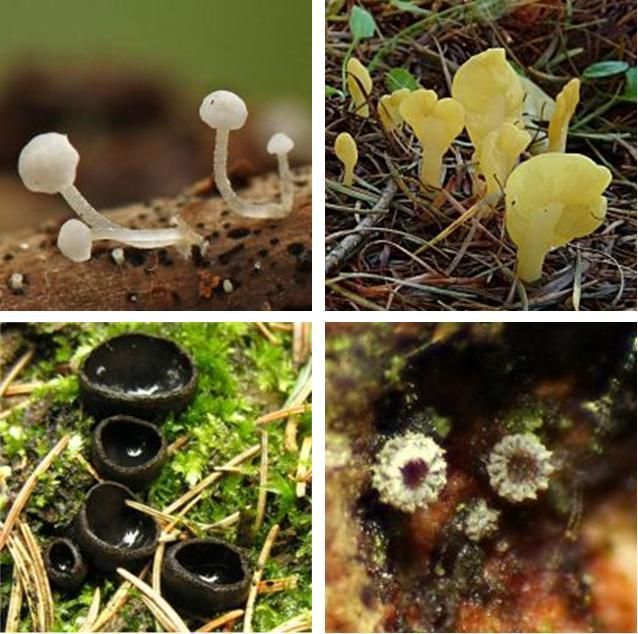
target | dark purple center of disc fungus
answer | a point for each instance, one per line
(522, 468)
(414, 473)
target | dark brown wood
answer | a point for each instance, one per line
(267, 262)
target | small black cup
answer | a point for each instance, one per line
(110, 533)
(128, 450)
(64, 564)
(202, 576)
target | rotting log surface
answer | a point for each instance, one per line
(268, 262)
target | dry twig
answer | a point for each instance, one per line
(259, 569)
(263, 482)
(225, 619)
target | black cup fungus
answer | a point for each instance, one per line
(112, 534)
(128, 450)
(203, 576)
(139, 375)
(64, 564)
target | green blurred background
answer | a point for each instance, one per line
(125, 78)
(261, 47)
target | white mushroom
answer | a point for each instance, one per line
(225, 111)
(48, 164)
(281, 145)
(75, 239)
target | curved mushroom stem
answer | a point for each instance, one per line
(430, 173)
(182, 236)
(236, 204)
(529, 266)
(84, 209)
(287, 188)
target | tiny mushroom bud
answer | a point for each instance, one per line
(550, 200)
(16, 282)
(566, 103)
(48, 164)
(497, 156)
(74, 240)
(388, 109)
(346, 152)
(225, 111)
(281, 145)
(491, 93)
(481, 521)
(118, 256)
(359, 86)
(435, 123)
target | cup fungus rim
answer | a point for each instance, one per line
(99, 448)
(142, 401)
(170, 559)
(78, 559)
(108, 548)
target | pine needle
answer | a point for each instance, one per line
(160, 607)
(25, 493)
(259, 569)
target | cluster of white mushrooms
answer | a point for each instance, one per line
(48, 164)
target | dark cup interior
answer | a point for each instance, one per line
(64, 564)
(138, 366)
(131, 444)
(211, 563)
(111, 521)
(62, 559)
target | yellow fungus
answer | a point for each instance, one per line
(550, 200)
(566, 103)
(388, 109)
(435, 123)
(538, 106)
(491, 93)
(359, 86)
(498, 155)
(346, 151)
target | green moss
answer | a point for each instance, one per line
(242, 376)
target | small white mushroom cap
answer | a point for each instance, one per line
(223, 109)
(280, 143)
(48, 163)
(74, 241)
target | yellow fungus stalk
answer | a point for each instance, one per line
(435, 123)
(359, 86)
(346, 151)
(566, 103)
